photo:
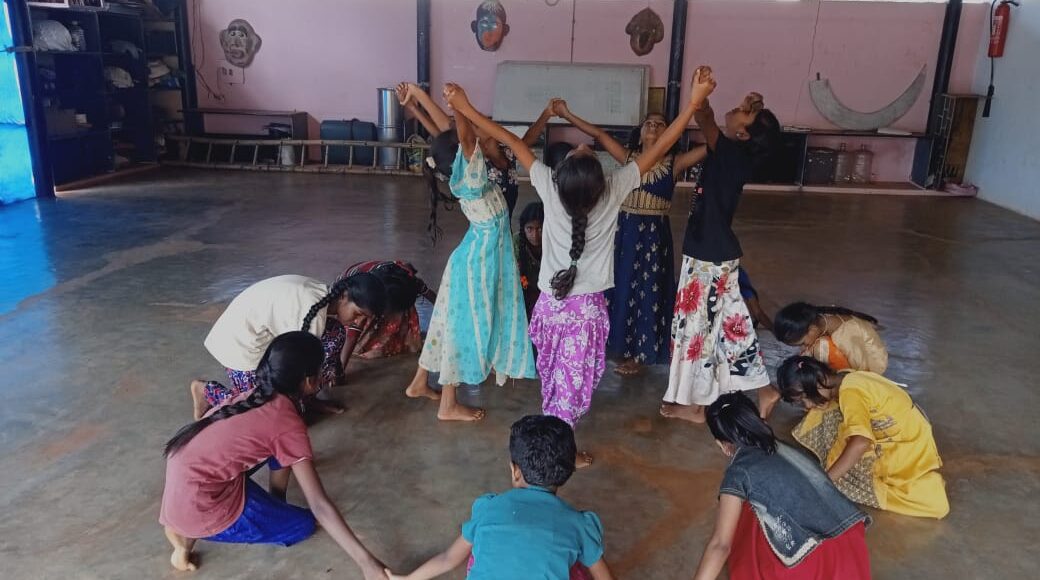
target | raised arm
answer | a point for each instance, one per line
(458, 100)
(437, 115)
(684, 161)
(467, 137)
(705, 119)
(616, 150)
(332, 521)
(531, 136)
(703, 85)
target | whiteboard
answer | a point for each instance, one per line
(602, 94)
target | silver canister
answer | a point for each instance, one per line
(388, 125)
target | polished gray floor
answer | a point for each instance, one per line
(107, 294)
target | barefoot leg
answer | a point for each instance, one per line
(691, 413)
(758, 315)
(182, 547)
(451, 410)
(629, 367)
(199, 405)
(768, 397)
(278, 482)
(420, 386)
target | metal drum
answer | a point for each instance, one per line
(388, 126)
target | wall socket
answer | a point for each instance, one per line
(229, 74)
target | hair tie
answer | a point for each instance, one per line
(574, 263)
(724, 405)
(800, 363)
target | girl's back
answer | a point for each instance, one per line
(596, 265)
(205, 485)
(795, 501)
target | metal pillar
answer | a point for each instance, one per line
(673, 93)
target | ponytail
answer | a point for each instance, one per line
(364, 289)
(291, 358)
(733, 418)
(792, 322)
(801, 376)
(436, 168)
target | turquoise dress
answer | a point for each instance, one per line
(479, 323)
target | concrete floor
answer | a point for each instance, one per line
(106, 295)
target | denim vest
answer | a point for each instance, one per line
(795, 502)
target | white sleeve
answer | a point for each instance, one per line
(542, 179)
(623, 181)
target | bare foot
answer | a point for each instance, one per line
(630, 367)
(461, 413)
(418, 390)
(691, 413)
(768, 397)
(420, 386)
(199, 405)
(582, 460)
(183, 560)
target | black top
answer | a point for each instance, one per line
(709, 231)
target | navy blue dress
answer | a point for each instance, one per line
(643, 298)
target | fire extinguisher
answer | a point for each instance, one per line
(999, 20)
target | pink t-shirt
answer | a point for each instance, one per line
(205, 480)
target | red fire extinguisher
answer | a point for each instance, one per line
(999, 29)
(999, 20)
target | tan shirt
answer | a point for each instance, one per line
(261, 312)
(861, 344)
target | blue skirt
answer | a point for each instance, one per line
(643, 298)
(266, 520)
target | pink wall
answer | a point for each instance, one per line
(869, 50)
(326, 57)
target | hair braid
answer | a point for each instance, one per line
(257, 398)
(563, 281)
(338, 289)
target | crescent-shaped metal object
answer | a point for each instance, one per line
(834, 111)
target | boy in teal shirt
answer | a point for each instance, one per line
(528, 533)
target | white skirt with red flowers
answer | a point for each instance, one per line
(714, 346)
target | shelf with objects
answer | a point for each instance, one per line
(91, 91)
(167, 80)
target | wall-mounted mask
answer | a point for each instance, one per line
(645, 30)
(240, 43)
(490, 26)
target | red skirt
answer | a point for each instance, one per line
(751, 558)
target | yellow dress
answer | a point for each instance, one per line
(901, 473)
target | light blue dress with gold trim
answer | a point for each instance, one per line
(479, 323)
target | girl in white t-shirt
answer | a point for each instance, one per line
(570, 324)
(275, 306)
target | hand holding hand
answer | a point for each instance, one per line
(703, 84)
(559, 107)
(403, 95)
(455, 96)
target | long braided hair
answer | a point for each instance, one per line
(438, 168)
(290, 358)
(580, 184)
(363, 289)
(792, 322)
